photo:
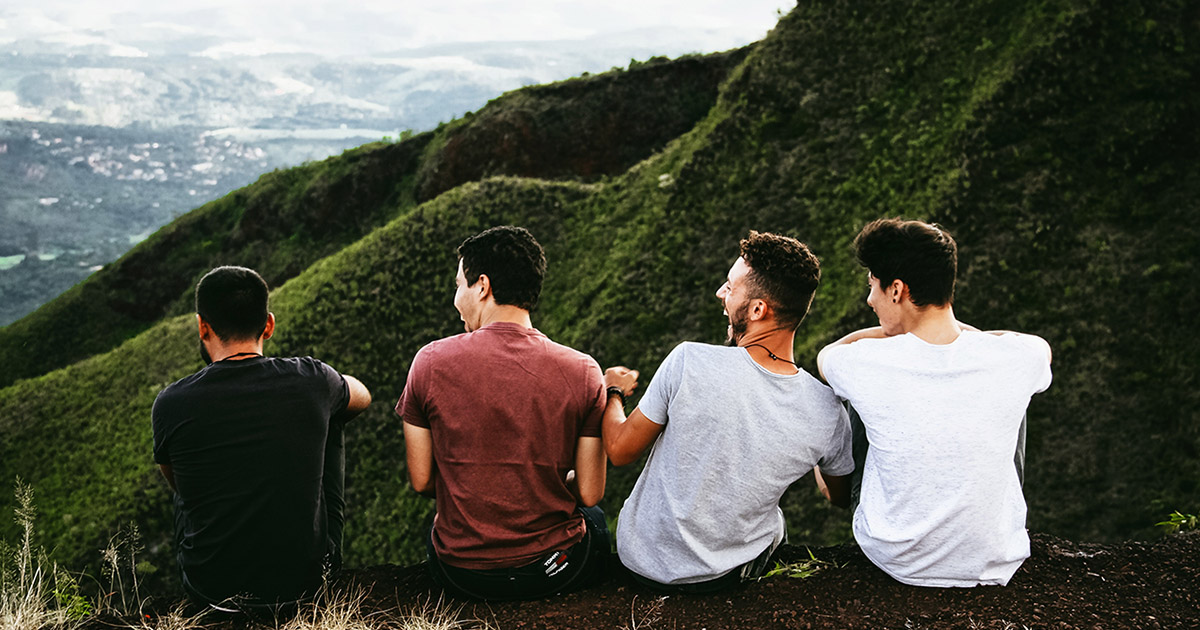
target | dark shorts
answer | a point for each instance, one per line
(559, 571)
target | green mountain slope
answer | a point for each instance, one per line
(1056, 140)
(577, 129)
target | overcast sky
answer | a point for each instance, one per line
(349, 27)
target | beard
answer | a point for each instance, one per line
(205, 355)
(738, 321)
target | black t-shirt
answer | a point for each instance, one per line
(246, 442)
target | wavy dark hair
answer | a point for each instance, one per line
(234, 302)
(922, 255)
(783, 272)
(512, 260)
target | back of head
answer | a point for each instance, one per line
(922, 255)
(512, 260)
(784, 272)
(233, 301)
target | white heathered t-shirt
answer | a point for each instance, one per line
(941, 503)
(736, 436)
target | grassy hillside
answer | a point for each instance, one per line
(1056, 140)
(582, 128)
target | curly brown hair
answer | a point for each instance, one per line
(783, 272)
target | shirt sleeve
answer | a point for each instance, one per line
(339, 390)
(162, 454)
(411, 406)
(1040, 372)
(838, 459)
(595, 401)
(656, 402)
(834, 369)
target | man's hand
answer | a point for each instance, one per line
(621, 377)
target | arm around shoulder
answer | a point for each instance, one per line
(875, 332)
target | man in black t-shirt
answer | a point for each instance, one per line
(252, 447)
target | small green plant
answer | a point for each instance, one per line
(800, 569)
(70, 601)
(1179, 521)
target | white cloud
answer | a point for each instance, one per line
(373, 26)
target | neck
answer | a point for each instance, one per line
(506, 313)
(761, 343)
(934, 324)
(246, 349)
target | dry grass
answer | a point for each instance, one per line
(28, 581)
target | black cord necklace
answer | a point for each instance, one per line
(771, 354)
(242, 354)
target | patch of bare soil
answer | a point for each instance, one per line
(1062, 585)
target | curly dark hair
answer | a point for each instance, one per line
(783, 272)
(922, 255)
(512, 260)
(233, 301)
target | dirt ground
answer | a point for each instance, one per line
(1062, 585)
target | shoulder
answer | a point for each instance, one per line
(445, 347)
(303, 366)
(1010, 341)
(703, 351)
(569, 356)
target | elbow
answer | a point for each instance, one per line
(621, 458)
(616, 454)
(590, 498)
(422, 485)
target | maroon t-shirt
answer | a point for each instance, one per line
(505, 407)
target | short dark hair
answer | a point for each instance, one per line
(512, 260)
(233, 301)
(922, 255)
(784, 272)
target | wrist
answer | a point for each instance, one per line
(613, 390)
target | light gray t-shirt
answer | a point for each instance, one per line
(941, 502)
(736, 436)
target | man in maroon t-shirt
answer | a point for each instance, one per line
(502, 426)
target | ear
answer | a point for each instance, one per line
(269, 329)
(759, 310)
(484, 286)
(205, 330)
(897, 291)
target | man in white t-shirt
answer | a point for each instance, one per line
(731, 427)
(943, 408)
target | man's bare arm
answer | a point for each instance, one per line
(625, 437)
(360, 397)
(591, 471)
(875, 332)
(835, 488)
(418, 449)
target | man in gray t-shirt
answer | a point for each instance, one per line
(731, 428)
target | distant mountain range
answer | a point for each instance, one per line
(105, 139)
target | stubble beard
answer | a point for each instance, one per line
(738, 322)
